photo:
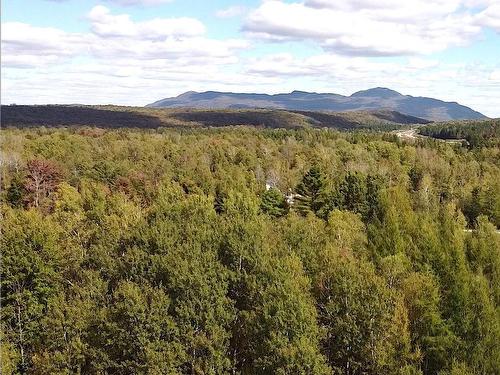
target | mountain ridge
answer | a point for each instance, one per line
(377, 98)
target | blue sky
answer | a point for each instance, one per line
(134, 52)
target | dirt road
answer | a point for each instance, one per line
(412, 134)
(408, 134)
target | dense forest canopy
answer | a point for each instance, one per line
(247, 251)
(475, 133)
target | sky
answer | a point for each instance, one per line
(134, 52)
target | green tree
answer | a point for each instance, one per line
(353, 193)
(310, 191)
(483, 335)
(31, 274)
(393, 233)
(15, 192)
(374, 186)
(273, 203)
(355, 310)
(429, 331)
(347, 233)
(483, 252)
(473, 206)
(182, 234)
(281, 323)
(8, 355)
(138, 334)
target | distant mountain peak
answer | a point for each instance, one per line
(379, 92)
(377, 98)
(187, 94)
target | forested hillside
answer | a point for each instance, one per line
(25, 116)
(163, 251)
(476, 133)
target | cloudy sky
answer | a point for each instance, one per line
(134, 52)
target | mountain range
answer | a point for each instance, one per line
(378, 98)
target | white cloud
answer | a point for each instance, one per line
(395, 10)
(129, 2)
(124, 61)
(139, 2)
(495, 76)
(24, 45)
(232, 11)
(119, 60)
(106, 24)
(327, 67)
(363, 27)
(490, 17)
(116, 39)
(100, 83)
(131, 81)
(197, 50)
(419, 63)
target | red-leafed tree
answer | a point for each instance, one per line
(42, 178)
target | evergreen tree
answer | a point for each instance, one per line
(430, 332)
(373, 187)
(310, 191)
(15, 192)
(353, 193)
(483, 252)
(273, 203)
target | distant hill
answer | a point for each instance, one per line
(373, 99)
(151, 118)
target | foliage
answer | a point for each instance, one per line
(273, 203)
(485, 133)
(161, 252)
(310, 191)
